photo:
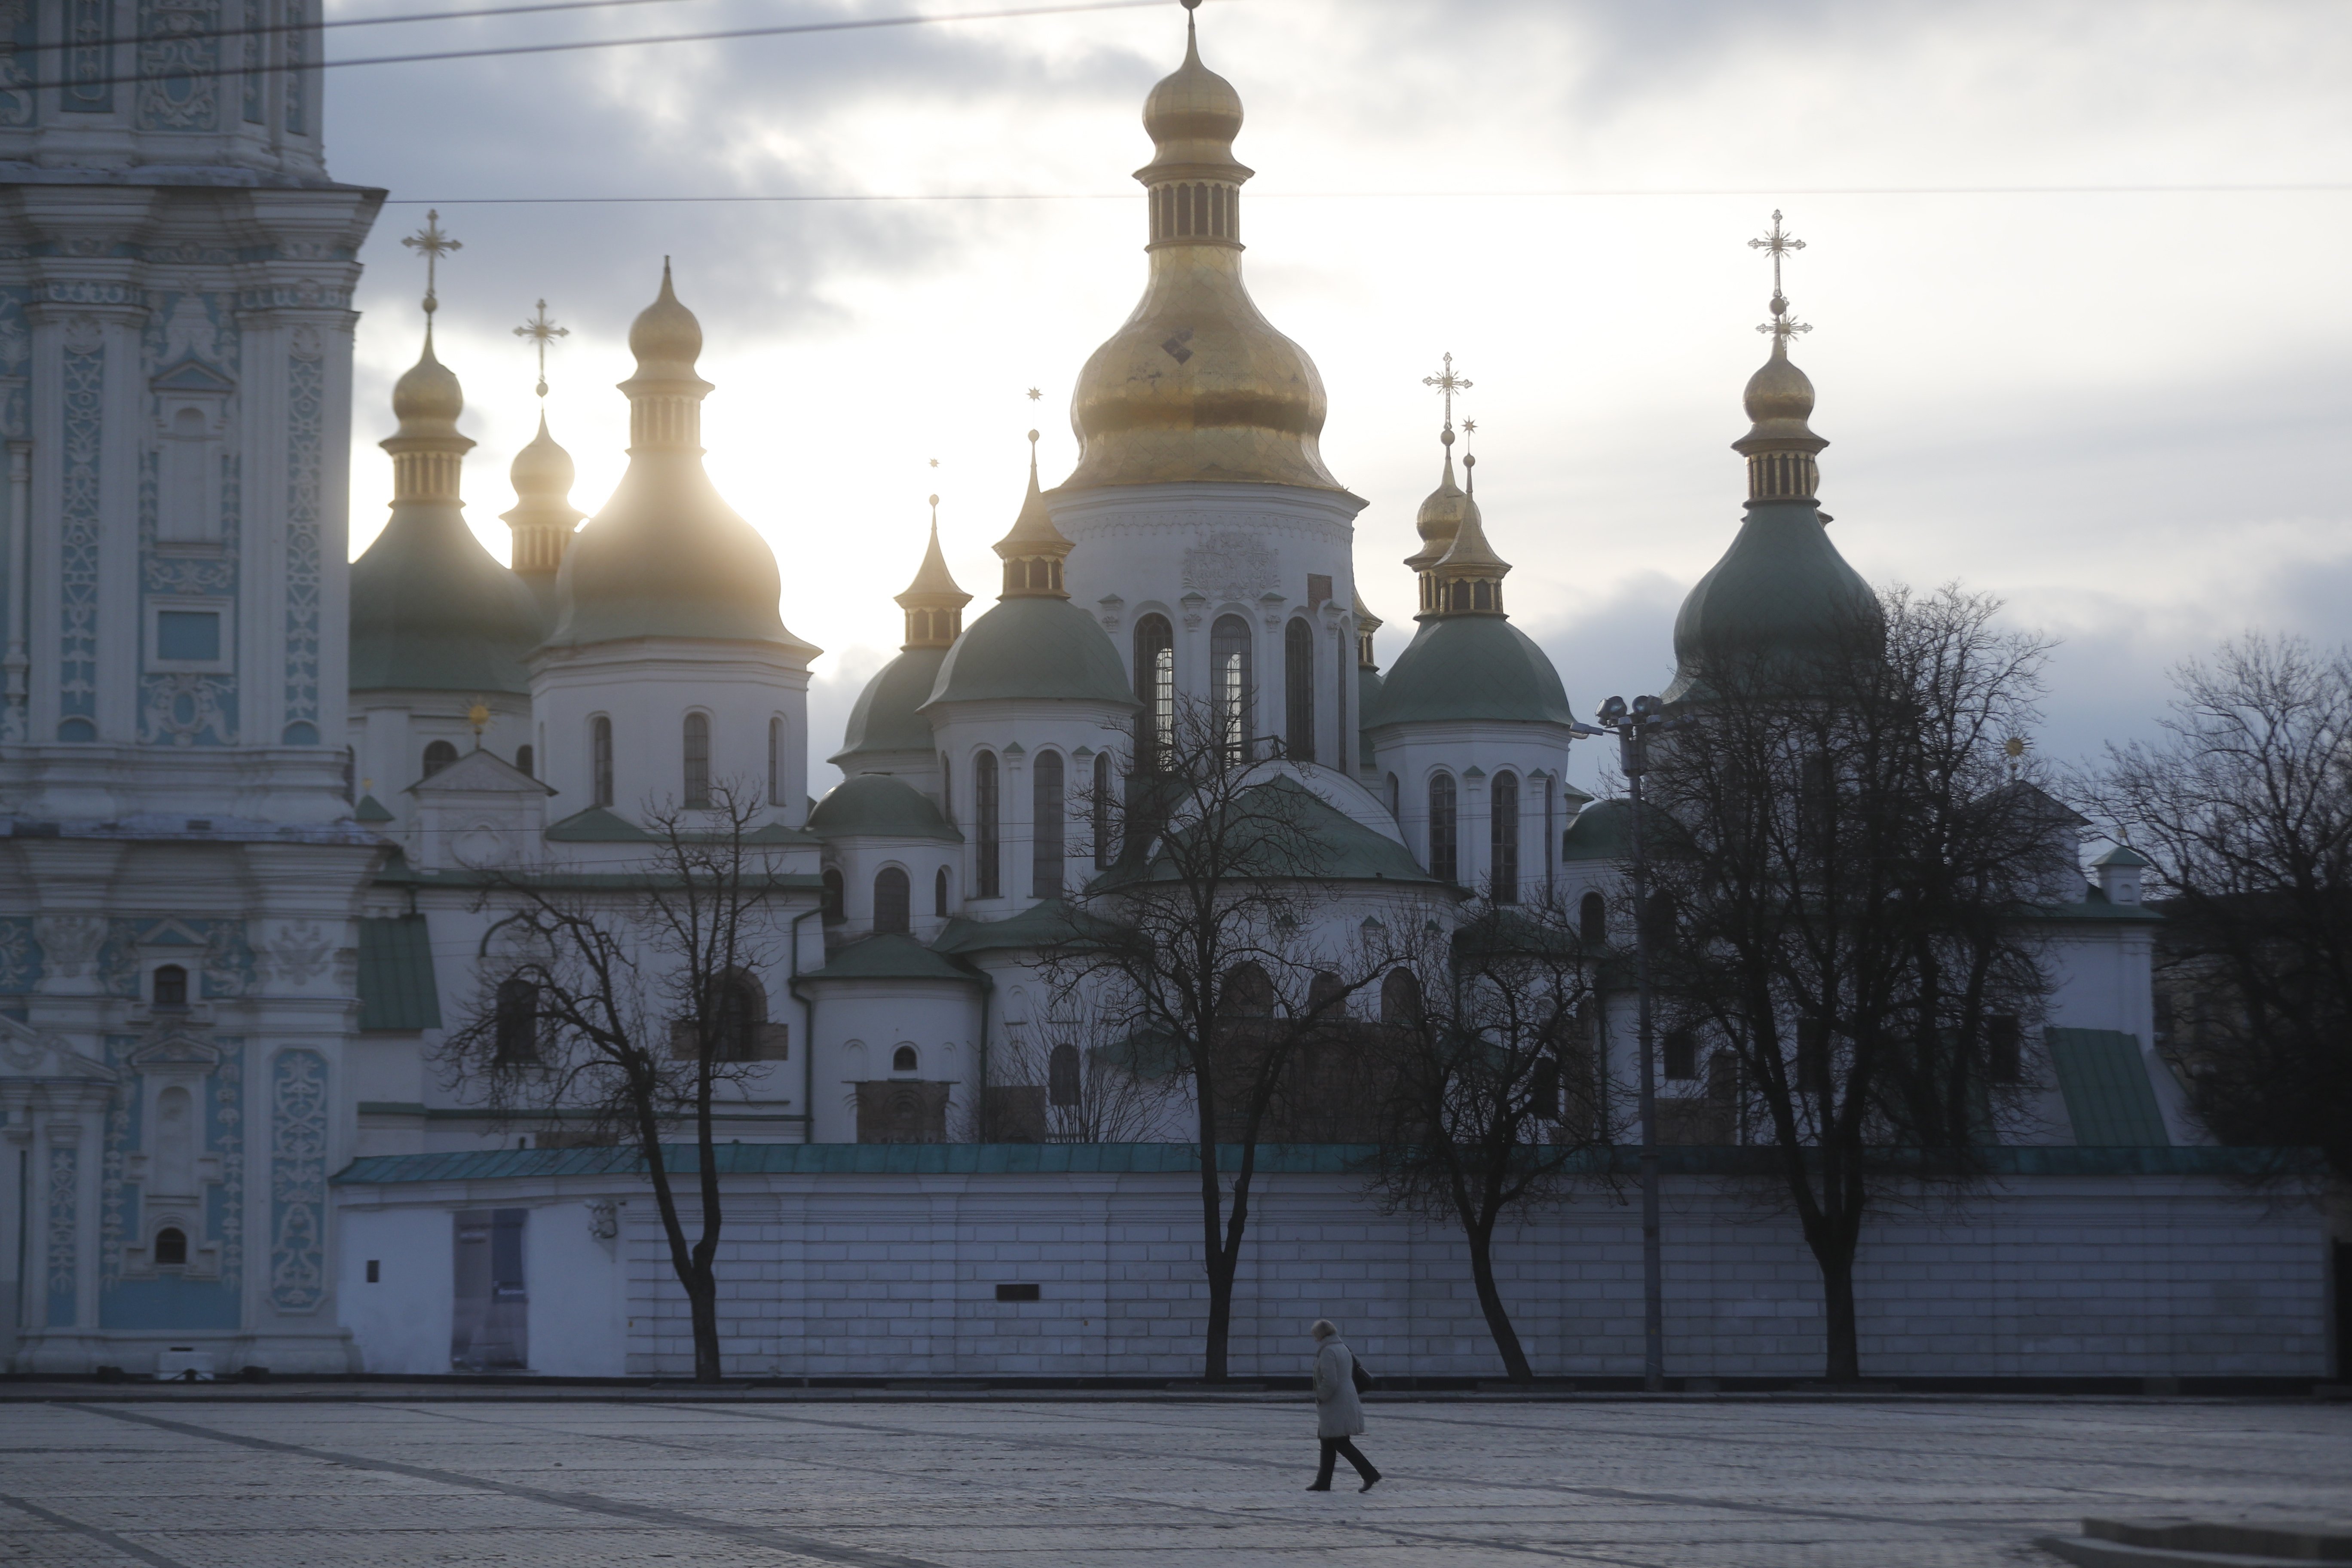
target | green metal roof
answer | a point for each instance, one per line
(885, 718)
(1049, 922)
(1602, 831)
(1033, 650)
(1181, 1159)
(431, 611)
(2094, 905)
(1333, 846)
(1782, 588)
(875, 806)
(1471, 668)
(597, 825)
(890, 956)
(2108, 1097)
(396, 985)
(2123, 855)
(370, 809)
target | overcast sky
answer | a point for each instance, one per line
(2123, 411)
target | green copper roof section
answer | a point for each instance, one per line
(1049, 922)
(1038, 649)
(370, 809)
(1477, 668)
(890, 956)
(1782, 589)
(885, 718)
(432, 611)
(1331, 845)
(2108, 1097)
(2123, 855)
(875, 806)
(1602, 831)
(395, 979)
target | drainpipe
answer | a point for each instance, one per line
(808, 1032)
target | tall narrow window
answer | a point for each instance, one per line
(834, 888)
(1345, 667)
(1442, 862)
(1593, 920)
(600, 762)
(1155, 689)
(171, 986)
(1551, 834)
(984, 819)
(775, 761)
(1298, 690)
(1102, 810)
(939, 893)
(516, 1023)
(947, 788)
(1679, 1059)
(893, 900)
(1049, 823)
(2004, 1049)
(1229, 685)
(698, 760)
(524, 762)
(1396, 799)
(1502, 839)
(438, 755)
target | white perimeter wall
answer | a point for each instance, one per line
(895, 1276)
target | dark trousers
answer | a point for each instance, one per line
(1335, 1446)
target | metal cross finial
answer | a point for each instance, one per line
(541, 331)
(1033, 395)
(1778, 243)
(1447, 383)
(432, 244)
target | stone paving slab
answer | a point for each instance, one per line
(1135, 1484)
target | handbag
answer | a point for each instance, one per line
(1358, 1376)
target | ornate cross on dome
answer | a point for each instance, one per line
(541, 331)
(1778, 243)
(432, 244)
(1447, 383)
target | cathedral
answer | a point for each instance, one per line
(256, 802)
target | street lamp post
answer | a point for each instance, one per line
(1633, 725)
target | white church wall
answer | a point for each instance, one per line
(401, 1320)
(579, 1290)
(1473, 755)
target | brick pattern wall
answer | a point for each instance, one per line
(895, 1276)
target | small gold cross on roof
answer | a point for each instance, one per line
(432, 244)
(1779, 244)
(543, 332)
(1447, 383)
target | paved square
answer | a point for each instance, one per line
(1093, 1483)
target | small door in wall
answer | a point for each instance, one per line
(490, 1328)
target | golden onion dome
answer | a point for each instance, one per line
(1441, 513)
(666, 337)
(1197, 385)
(428, 394)
(542, 469)
(1779, 393)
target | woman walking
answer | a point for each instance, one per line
(1338, 1414)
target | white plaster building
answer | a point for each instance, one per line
(231, 948)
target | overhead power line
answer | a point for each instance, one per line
(860, 25)
(1597, 191)
(274, 28)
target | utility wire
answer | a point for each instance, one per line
(860, 25)
(274, 28)
(2318, 187)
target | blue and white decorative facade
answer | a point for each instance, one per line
(252, 794)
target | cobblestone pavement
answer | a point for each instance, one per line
(1099, 1483)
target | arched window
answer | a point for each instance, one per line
(893, 900)
(1592, 919)
(438, 755)
(171, 986)
(516, 1021)
(1346, 669)
(1061, 1076)
(1246, 995)
(738, 1007)
(1155, 689)
(1503, 838)
(939, 893)
(903, 1060)
(946, 789)
(1102, 810)
(698, 760)
(988, 849)
(833, 891)
(1399, 998)
(775, 761)
(1679, 1059)
(1326, 995)
(1298, 690)
(1442, 862)
(599, 761)
(1229, 685)
(1048, 825)
(1550, 834)
(1396, 799)
(526, 761)
(171, 1247)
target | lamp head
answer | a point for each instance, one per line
(1646, 707)
(1612, 713)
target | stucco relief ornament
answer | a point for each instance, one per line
(189, 329)
(68, 943)
(302, 953)
(604, 1219)
(1231, 564)
(83, 335)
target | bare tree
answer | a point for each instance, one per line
(1843, 901)
(1492, 1088)
(1203, 949)
(630, 1000)
(2244, 809)
(1078, 1083)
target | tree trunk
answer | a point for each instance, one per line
(1221, 1274)
(1490, 1301)
(1844, 1360)
(702, 1300)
